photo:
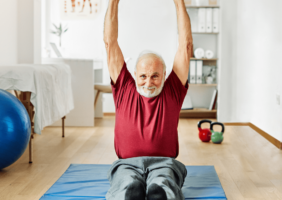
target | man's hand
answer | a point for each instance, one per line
(182, 57)
(115, 56)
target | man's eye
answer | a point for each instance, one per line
(142, 76)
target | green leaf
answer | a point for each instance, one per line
(55, 26)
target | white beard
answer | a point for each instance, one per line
(149, 94)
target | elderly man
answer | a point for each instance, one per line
(147, 115)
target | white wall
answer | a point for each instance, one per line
(227, 61)
(8, 34)
(84, 38)
(259, 67)
(251, 66)
(29, 31)
(25, 31)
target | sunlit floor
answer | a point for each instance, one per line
(249, 167)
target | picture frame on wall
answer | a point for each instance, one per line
(80, 9)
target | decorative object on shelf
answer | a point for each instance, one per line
(204, 134)
(59, 31)
(209, 54)
(80, 9)
(209, 74)
(199, 53)
(213, 73)
(217, 137)
(209, 79)
(188, 2)
(213, 2)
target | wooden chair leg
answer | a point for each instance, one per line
(25, 99)
(63, 126)
(30, 149)
(96, 98)
(17, 95)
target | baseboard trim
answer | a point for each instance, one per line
(237, 124)
(271, 139)
(109, 114)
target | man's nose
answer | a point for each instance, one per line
(149, 83)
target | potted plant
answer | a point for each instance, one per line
(59, 31)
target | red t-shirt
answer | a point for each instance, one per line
(147, 126)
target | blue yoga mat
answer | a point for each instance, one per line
(89, 181)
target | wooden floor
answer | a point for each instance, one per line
(249, 167)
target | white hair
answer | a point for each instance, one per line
(148, 52)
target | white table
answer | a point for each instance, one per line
(83, 91)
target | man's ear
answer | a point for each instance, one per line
(135, 74)
(164, 74)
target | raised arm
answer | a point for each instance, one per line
(183, 54)
(115, 57)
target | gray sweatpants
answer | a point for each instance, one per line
(165, 172)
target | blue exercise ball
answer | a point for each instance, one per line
(15, 129)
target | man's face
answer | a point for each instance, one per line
(150, 76)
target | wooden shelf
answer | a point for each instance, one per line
(205, 33)
(204, 59)
(198, 113)
(191, 6)
(208, 85)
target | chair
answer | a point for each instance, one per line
(105, 88)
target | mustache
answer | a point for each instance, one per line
(149, 88)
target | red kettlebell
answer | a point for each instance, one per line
(204, 134)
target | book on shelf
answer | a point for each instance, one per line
(215, 19)
(213, 100)
(199, 67)
(214, 103)
(208, 20)
(187, 103)
(192, 70)
(202, 20)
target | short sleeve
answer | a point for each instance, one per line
(122, 86)
(175, 88)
